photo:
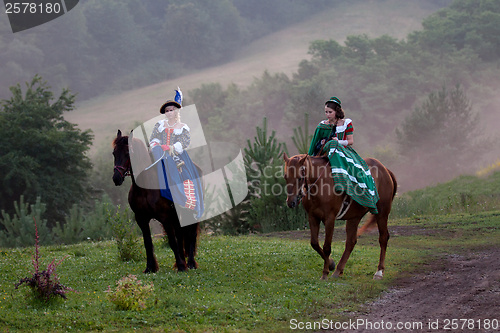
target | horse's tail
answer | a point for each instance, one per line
(372, 220)
(394, 182)
(368, 225)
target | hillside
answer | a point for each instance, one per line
(278, 52)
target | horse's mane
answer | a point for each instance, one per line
(322, 158)
(139, 149)
(120, 141)
(138, 146)
(139, 157)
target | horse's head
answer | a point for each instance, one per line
(295, 177)
(121, 158)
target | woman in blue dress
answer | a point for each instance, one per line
(178, 176)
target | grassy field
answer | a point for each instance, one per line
(243, 283)
(464, 194)
(250, 283)
(257, 282)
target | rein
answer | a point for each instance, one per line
(303, 193)
(154, 163)
(125, 171)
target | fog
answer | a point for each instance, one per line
(123, 64)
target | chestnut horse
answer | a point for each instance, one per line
(149, 204)
(309, 181)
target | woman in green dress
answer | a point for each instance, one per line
(334, 138)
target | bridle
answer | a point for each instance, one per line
(124, 171)
(302, 193)
(304, 187)
(308, 187)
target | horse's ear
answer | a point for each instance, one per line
(119, 134)
(303, 159)
(285, 157)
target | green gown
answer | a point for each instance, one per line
(350, 172)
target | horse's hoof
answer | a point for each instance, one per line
(179, 268)
(324, 277)
(149, 271)
(336, 275)
(379, 275)
(182, 268)
(332, 265)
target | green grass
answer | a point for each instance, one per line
(450, 233)
(464, 194)
(247, 283)
(243, 284)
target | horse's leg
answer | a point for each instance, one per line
(383, 239)
(327, 247)
(190, 238)
(174, 234)
(351, 228)
(314, 226)
(151, 262)
(189, 235)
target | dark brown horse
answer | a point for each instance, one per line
(148, 204)
(309, 181)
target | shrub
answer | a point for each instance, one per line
(131, 294)
(44, 284)
(95, 226)
(70, 232)
(125, 233)
(19, 229)
(81, 224)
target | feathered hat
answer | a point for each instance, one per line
(177, 101)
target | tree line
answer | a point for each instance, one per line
(384, 84)
(106, 46)
(410, 85)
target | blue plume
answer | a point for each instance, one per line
(178, 96)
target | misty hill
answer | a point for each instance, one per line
(422, 104)
(110, 46)
(278, 52)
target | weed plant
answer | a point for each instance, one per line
(45, 284)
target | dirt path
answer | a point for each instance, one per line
(457, 287)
